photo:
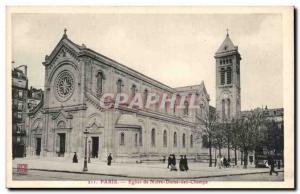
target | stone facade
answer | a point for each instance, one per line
(71, 104)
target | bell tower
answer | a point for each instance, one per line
(228, 90)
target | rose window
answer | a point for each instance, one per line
(64, 85)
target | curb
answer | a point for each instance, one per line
(126, 176)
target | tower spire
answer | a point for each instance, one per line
(227, 33)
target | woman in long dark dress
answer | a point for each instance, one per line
(185, 163)
(181, 164)
(173, 163)
(109, 159)
(75, 159)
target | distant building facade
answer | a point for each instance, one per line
(274, 118)
(19, 108)
(75, 80)
(34, 97)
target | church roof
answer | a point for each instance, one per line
(227, 46)
(199, 88)
(82, 49)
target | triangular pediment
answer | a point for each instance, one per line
(94, 125)
(63, 114)
(64, 48)
(94, 121)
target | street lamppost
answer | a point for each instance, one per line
(86, 132)
(89, 160)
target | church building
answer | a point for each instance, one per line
(76, 78)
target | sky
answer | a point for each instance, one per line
(175, 49)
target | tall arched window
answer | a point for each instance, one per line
(175, 139)
(222, 76)
(119, 86)
(229, 75)
(223, 109)
(133, 90)
(99, 86)
(183, 140)
(122, 139)
(191, 141)
(186, 107)
(153, 137)
(228, 108)
(145, 96)
(165, 139)
(141, 138)
(166, 107)
(136, 140)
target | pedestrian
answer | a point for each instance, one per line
(271, 163)
(169, 161)
(109, 159)
(181, 163)
(228, 162)
(185, 163)
(173, 163)
(224, 162)
(219, 161)
(75, 159)
(164, 159)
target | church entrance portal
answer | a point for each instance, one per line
(62, 144)
(38, 146)
(95, 147)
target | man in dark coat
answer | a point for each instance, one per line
(109, 159)
(75, 159)
(271, 163)
(181, 164)
(169, 161)
(185, 163)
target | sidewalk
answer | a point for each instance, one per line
(152, 171)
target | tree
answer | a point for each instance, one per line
(234, 126)
(248, 133)
(226, 129)
(218, 139)
(210, 125)
(272, 136)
